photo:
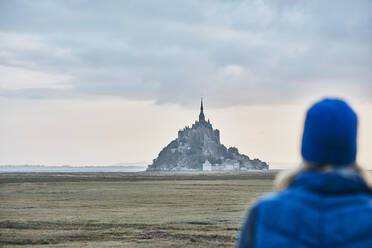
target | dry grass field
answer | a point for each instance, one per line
(125, 209)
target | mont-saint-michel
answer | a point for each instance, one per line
(199, 149)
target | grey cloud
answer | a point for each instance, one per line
(232, 52)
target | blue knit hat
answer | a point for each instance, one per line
(330, 133)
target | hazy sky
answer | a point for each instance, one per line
(102, 82)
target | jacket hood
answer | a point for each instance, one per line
(337, 181)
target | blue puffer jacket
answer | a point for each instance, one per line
(318, 209)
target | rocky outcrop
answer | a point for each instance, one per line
(199, 148)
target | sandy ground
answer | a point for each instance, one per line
(125, 209)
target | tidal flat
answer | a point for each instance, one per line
(126, 209)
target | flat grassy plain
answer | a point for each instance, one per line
(125, 209)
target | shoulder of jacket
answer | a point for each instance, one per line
(271, 197)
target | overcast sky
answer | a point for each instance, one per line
(153, 57)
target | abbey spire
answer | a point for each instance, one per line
(201, 115)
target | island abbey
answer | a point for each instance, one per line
(199, 149)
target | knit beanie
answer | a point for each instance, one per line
(330, 133)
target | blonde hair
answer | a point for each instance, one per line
(284, 179)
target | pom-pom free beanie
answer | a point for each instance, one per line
(330, 133)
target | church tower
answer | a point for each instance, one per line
(201, 115)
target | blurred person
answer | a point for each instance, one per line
(327, 201)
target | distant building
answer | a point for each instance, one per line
(199, 149)
(207, 166)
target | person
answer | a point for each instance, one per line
(327, 201)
